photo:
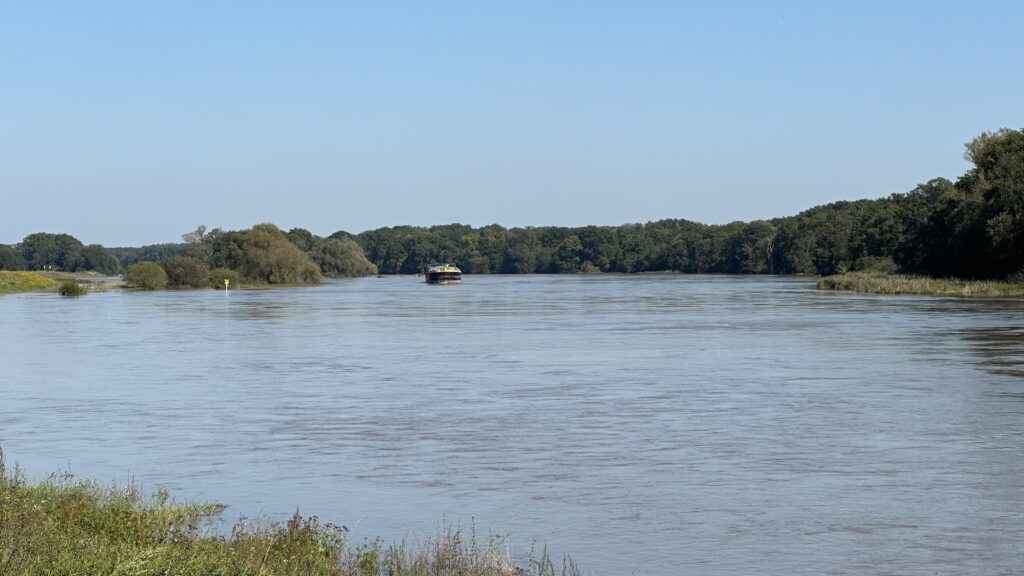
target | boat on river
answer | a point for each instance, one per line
(443, 274)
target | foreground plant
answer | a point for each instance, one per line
(62, 526)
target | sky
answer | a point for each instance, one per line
(130, 123)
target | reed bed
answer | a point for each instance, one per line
(875, 283)
(60, 526)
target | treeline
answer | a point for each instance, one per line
(973, 228)
(260, 255)
(44, 251)
(823, 240)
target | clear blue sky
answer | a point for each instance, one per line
(128, 123)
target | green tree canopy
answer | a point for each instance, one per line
(263, 254)
(145, 276)
(342, 257)
(186, 272)
(97, 258)
(10, 259)
(45, 250)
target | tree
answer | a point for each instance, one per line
(569, 255)
(263, 254)
(10, 259)
(40, 250)
(342, 257)
(145, 276)
(997, 179)
(302, 238)
(186, 272)
(200, 243)
(600, 246)
(97, 258)
(150, 253)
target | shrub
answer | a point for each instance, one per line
(72, 288)
(185, 272)
(62, 526)
(217, 276)
(145, 276)
(342, 257)
(264, 255)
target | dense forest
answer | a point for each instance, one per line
(971, 228)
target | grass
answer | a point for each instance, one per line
(11, 282)
(877, 283)
(60, 526)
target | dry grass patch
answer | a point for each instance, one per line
(873, 283)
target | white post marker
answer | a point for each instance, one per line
(227, 281)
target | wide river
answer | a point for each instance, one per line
(662, 425)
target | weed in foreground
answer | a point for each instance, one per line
(61, 526)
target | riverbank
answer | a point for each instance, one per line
(873, 283)
(62, 526)
(13, 282)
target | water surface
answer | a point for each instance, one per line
(662, 424)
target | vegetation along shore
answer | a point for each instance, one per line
(63, 526)
(971, 229)
(875, 283)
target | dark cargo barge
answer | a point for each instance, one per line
(444, 274)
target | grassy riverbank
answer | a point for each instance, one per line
(61, 526)
(15, 282)
(873, 283)
(12, 282)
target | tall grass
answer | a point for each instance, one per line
(60, 526)
(875, 283)
(24, 282)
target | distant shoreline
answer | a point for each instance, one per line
(859, 282)
(900, 284)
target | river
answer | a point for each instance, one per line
(656, 424)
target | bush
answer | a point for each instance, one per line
(145, 276)
(72, 288)
(217, 276)
(264, 255)
(343, 258)
(185, 272)
(61, 526)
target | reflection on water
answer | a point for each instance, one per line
(664, 424)
(1000, 349)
